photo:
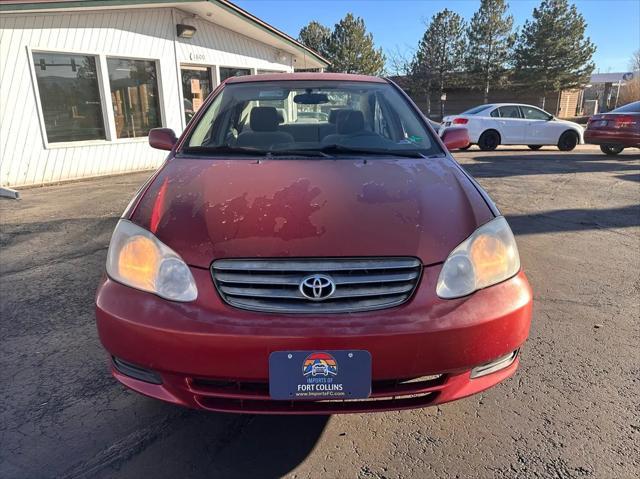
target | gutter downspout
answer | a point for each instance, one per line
(177, 65)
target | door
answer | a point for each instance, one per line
(540, 129)
(196, 85)
(511, 125)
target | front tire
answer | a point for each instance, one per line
(611, 150)
(568, 141)
(534, 147)
(489, 140)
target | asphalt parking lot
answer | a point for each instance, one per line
(571, 411)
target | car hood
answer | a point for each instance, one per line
(205, 209)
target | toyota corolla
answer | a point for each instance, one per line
(311, 222)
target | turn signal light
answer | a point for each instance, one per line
(138, 261)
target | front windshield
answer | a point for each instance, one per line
(295, 116)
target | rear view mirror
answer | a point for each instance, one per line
(455, 137)
(162, 138)
(311, 98)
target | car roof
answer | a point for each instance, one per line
(493, 105)
(308, 76)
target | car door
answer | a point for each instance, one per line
(540, 128)
(511, 125)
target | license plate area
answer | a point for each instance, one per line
(314, 375)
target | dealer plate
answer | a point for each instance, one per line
(313, 375)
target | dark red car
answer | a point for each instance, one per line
(616, 130)
(288, 262)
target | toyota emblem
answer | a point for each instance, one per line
(317, 287)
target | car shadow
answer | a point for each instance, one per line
(199, 444)
(501, 166)
(264, 446)
(631, 177)
(551, 150)
(577, 219)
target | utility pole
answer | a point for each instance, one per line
(617, 95)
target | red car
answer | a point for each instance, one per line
(616, 130)
(339, 265)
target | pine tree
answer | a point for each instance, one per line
(441, 52)
(351, 49)
(552, 53)
(490, 39)
(315, 36)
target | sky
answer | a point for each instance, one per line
(398, 25)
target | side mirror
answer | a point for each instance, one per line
(455, 137)
(162, 138)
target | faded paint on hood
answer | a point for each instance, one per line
(206, 209)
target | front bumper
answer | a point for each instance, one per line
(213, 356)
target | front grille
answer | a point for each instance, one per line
(260, 389)
(227, 395)
(273, 285)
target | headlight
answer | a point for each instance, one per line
(138, 259)
(487, 257)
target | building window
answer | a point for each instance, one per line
(134, 93)
(226, 72)
(70, 97)
(196, 86)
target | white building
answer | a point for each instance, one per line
(82, 82)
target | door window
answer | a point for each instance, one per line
(226, 72)
(531, 113)
(509, 111)
(196, 86)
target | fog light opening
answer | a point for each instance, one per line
(136, 372)
(496, 365)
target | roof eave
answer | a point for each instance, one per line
(25, 6)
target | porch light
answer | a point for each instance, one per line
(186, 31)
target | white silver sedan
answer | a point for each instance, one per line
(515, 124)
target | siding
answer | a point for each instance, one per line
(150, 34)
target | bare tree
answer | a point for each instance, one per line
(634, 64)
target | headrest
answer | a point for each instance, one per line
(264, 118)
(350, 121)
(333, 115)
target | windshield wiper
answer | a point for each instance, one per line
(302, 152)
(226, 149)
(336, 148)
(324, 151)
